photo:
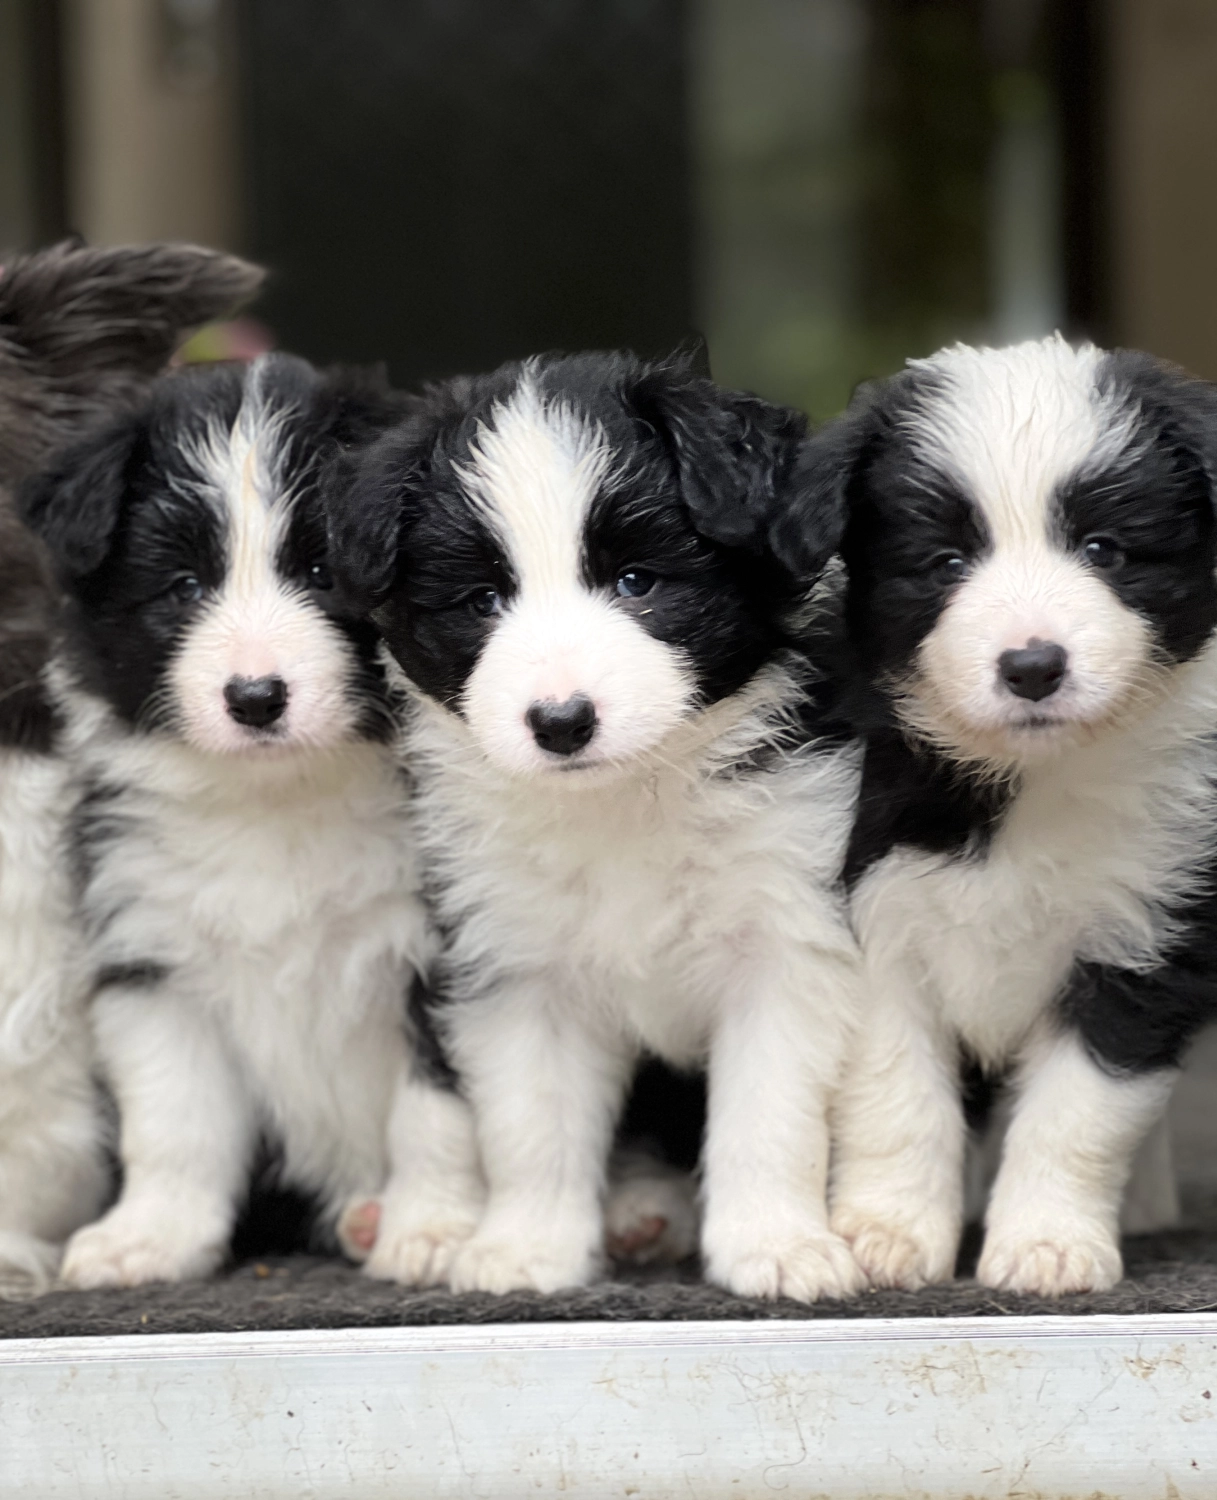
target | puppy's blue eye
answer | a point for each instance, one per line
(320, 577)
(635, 582)
(485, 602)
(187, 589)
(1102, 552)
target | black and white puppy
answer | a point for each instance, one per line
(245, 870)
(632, 833)
(1030, 541)
(81, 331)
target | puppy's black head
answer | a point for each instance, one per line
(190, 537)
(577, 552)
(81, 331)
(1029, 536)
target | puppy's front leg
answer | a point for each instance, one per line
(773, 1061)
(185, 1140)
(546, 1088)
(435, 1193)
(899, 1137)
(1053, 1220)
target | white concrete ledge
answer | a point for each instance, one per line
(973, 1407)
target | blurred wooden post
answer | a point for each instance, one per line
(151, 110)
(1163, 100)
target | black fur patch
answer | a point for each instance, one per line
(428, 1057)
(1137, 1022)
(276, 1217)
(27, 721)
(134, 976)
(1156, 504)
(443, 553)
(96, 820)
(666, 1113)
(911, 795)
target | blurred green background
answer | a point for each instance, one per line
(823, 187)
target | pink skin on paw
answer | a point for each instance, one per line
(645, 1232)
(361, 1225)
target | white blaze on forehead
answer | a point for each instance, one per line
(1013, 424)
(257, 623)
(242, 468)
(534, 472)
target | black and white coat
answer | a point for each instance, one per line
(244, 867)
(631, 824)
(1029, 535)
(81, 331)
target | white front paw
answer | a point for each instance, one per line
(1051, 1263)
(805, 1266)
(27, 1265)
(132, 1246)
(416, 1245)
(499, 1262)
(894, 1253)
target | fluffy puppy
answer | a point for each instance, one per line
(1029, 537)
(632, 827)
(242, 859)
(80, 331)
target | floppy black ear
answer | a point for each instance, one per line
(366, 502)
(75, 504)
(734, 454)
(1181, 407)
(810, 523)
(354, 406)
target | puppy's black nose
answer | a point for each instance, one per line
(563, 728)
(1035, 671)
(256, 701)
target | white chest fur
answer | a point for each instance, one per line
(650, 895)
(282, 902)
(1089, 857)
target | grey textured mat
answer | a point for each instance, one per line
(1166, 1273)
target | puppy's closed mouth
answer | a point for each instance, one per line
(1037, 722)
(568, 765)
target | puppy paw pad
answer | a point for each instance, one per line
(358, 1227)
(101, 1257)
(1050, 1267)
(892, 1255)
(638, 1239)
(805, 1269)
(507, 1266)
(418, 1255)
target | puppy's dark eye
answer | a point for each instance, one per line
(948, 568)
(320, 577)
(635, 582)
(1102, 552)
(485, 602)
(187, 589)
